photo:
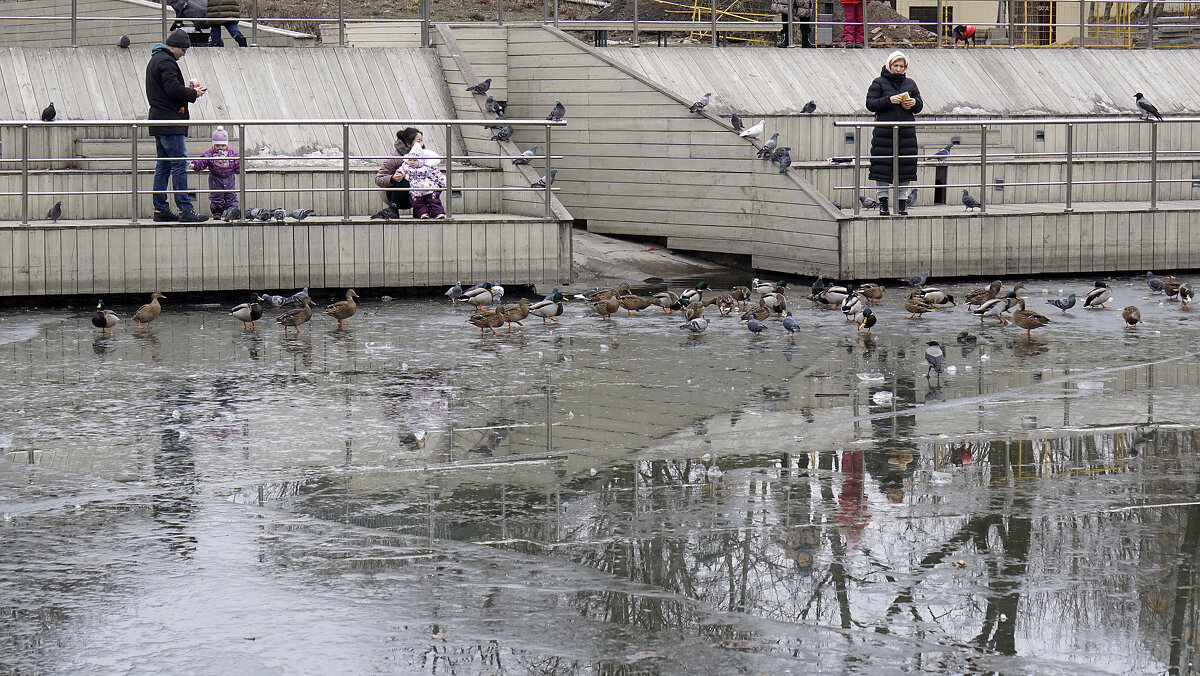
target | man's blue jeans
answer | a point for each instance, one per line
(214, 35)
(173, 145)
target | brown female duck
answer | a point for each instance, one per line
(343, 309)
(150, 311)
(1028, 319)
(297, 317)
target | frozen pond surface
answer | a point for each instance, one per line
(405, 495)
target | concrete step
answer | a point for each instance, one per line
(86, 148)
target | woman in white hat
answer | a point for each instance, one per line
(894, 97)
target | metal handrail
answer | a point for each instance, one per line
(1069, 154)
(241, 125)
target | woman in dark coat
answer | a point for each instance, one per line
(893, 97)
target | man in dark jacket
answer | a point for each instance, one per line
(169, 97)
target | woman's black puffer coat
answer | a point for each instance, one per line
(879, 95)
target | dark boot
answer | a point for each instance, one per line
(901, 207)
(241, 40)
(883, 210)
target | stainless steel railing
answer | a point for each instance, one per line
(135, 160)
(1070, 157)
(1123, 24)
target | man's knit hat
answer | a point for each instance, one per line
(178, 38)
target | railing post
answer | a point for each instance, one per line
(449, 173)
(791, 27)
(545, 12)
(1012, 24)
(163, 6)
(1149, 24)
(425, 23)
(1070, 166)
(74, 23)
(341, 23)
(254, 25)
(1153, 166)
(941, 24)
(635, 24)
(24, 174)
(1082, 24)
(866, 33)
(556, 13)
(549, 181)
(133, 174)
(345, 171)
(499, 12)
(983, 168)
(713, 8)
(895, 166)
(242, 168)
(857, 171)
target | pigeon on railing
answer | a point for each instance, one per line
(810, 107)
(769, 147)
(970, 202)
(755, 131)
(481, 87)
(735, 121)
(504, 134)
(48, 113)
(301, 214)
(541, 182)
(557, 112)
(700, 104)
(526, 156)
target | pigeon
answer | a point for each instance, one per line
(234, 214)
(785, 161)
(944, 152)
(541, 182)
(697, 326)
(912, 196)
(504, 134)
(271, 299)
(867, 202)
(935, 358)
(557, 113)
(769, 146)
(297, 297)
(455, 291)
(301, 214)
(253, 213)
(700, 104)
(755, 131)
(481, 88)
(499, 117)
(279, 214)
(123, 43)
(1148, 109)
(778, 152)
(1156, 285)
(756, 327)
(526, 156)
(492, 105)
(789, 323)
(1063, 304)
(837, 205)
(736, 122)
(970, 202)
(55, 212)
(264, 215)
(48, 113)
(809, 107)
(916, 281)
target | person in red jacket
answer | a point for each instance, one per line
(852, 29)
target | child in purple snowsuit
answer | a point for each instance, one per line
(427, 182)
(222, 164)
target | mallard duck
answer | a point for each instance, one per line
(872, 292)
(934, 296)
(1171, 288)
(1063, 304)
(635, 303)
(1185, 294)
(981, 296)
(1028, 319)
(761, 286)
(867, 320)
(343, 309)
(725, 303)
(760, 312)
(150, 311)
(741, 294)
(514, 314)
(1131, 314)
(549, 307)
(247, 312)
(696, 293)
(1098, 296)
(487, 320)
(479, 295)
(834, 295)
(915, 307)
(691, 310)
(297, 317)
(854, 306)
(772, 300)
(103, 319)
(668, 300)
(606, 307)
(993, 308)
(1010, 301)
(599, 293)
